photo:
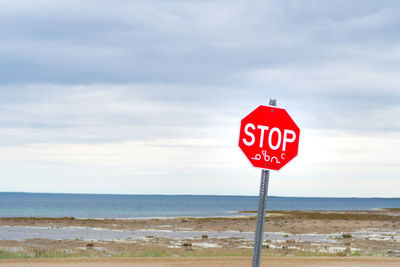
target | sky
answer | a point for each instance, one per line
(146, 97)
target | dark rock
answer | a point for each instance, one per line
(187, 245)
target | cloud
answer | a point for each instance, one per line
(107, 113)
(198, 42)
(337, 163)
(115, 86)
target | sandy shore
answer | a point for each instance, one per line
(208, 262)
(287, 233)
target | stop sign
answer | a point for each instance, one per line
(269, 137)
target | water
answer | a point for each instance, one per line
(70, 233)
(145, 206)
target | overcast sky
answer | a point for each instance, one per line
(146, 97)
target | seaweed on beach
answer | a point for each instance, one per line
(332, 215)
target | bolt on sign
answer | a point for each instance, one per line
(269, 137)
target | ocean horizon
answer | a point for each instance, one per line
(21, 204)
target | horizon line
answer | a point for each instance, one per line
(158, 194)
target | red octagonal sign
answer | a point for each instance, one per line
(269, 137)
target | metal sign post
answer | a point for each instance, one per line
(258, 239)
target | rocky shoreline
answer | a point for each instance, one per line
(298, 233)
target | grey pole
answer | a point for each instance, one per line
(258, 239)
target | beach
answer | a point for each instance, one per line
(337, 234)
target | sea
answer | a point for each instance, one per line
(160, 206)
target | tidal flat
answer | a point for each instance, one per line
(295, 233)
